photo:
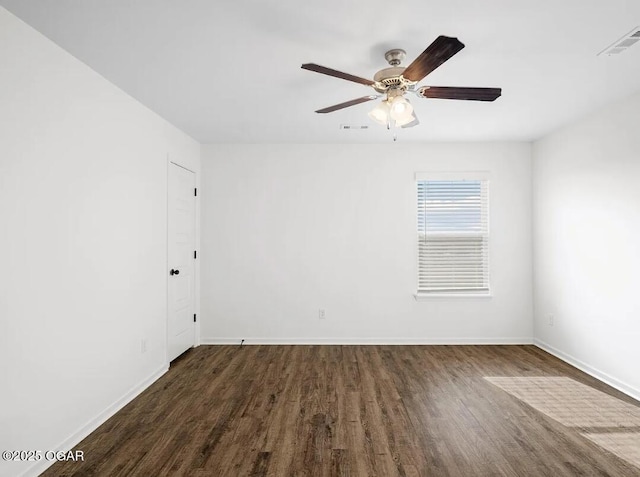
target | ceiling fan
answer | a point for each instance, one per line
(395, 81)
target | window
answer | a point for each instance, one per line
(453, 234)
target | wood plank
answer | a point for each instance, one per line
(348, 410)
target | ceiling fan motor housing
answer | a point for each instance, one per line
(391, 78)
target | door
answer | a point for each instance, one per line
(182, 226)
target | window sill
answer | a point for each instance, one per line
(428, 296)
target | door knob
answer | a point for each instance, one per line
(174, 272)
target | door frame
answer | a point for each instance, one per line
(196, 290)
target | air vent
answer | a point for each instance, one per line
(623, 43)
(351, 127)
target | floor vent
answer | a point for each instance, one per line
(623, 43)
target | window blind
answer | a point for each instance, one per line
(453, 236)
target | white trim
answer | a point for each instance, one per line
(590, 370)
(429, 296)
(367, 341)
(453, 176)
(75, 438)
(166, 264)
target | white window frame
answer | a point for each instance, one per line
(423, 294)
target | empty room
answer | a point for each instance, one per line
(326, 239)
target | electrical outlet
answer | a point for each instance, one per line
(550, 319)
(321, 314)
(143, 345)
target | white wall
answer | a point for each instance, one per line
(587, 251)
(83, 174)
(290, 229)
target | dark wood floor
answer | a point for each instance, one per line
(344, 410)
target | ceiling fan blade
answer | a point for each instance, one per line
(338, 74)
(438, 52)
(452, 92)
(346, 104)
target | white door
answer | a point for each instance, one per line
(182, 225)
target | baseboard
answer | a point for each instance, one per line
(367, 341)
(96, 422)
(590, 370)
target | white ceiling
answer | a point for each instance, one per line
(229, 71)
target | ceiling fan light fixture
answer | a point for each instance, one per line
(406, 120)
(380, 114)
(400, 109)
(413, 121)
